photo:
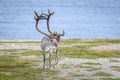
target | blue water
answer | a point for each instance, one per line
(85, 19)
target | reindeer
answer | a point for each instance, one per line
(50, 41)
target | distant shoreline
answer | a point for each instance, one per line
(20, 40)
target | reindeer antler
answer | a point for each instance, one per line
(62, 33)
(48, 18)
(37, 18)
(44, 16)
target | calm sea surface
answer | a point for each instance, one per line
(85, 19)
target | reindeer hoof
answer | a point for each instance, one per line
(44, 67)
(56, 65)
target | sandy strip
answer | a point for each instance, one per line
(107, 47)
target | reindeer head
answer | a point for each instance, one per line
(44, 16)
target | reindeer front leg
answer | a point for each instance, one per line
(44, 60)
(50, 52)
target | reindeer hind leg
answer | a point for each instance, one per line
(56, 60)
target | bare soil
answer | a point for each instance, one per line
(76, 69)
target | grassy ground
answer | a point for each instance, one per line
(20, 64)
(80, 49)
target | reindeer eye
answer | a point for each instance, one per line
(51, 40)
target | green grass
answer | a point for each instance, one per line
(93, 69)
(80, 48)
(91, 63)
(66, 66)
(29, 74)
(17, 68)
(82, 66)
(18, 64)
(102, 74)
(84, 52)
(32, 52)
(76, 74)
(117, 68)
(91, 42)
(110, 79)
(85, 79)
(112, 60)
